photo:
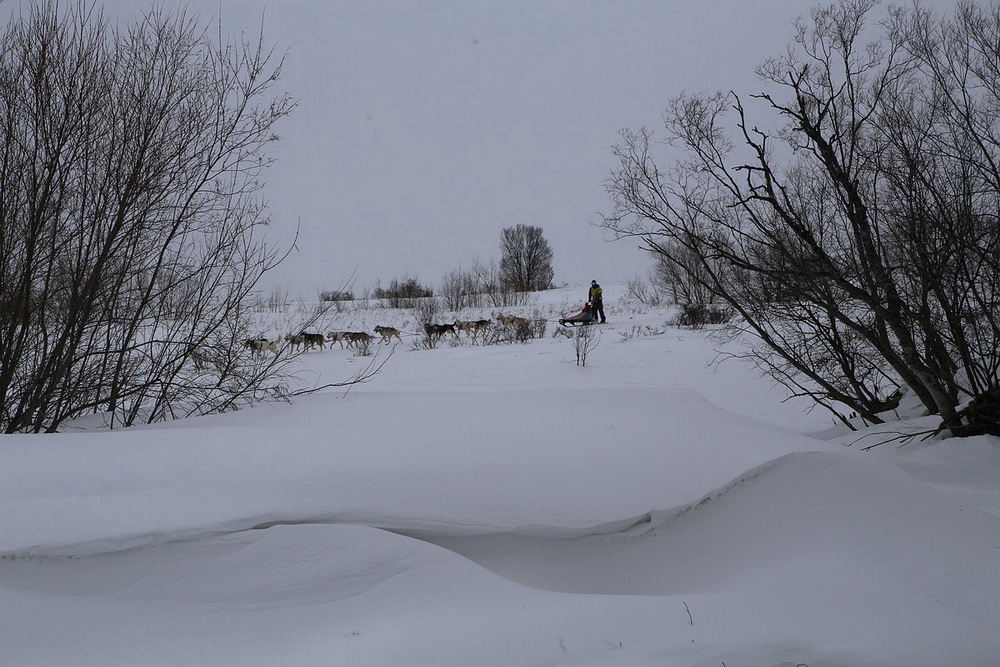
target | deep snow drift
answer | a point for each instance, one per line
(501, 505)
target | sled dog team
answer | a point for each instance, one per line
(306, 341)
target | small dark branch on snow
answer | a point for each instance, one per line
(894, 436)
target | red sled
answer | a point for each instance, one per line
(585, 316)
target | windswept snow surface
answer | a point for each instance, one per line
(501, 505)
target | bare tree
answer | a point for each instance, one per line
(130, 217)
(526, 259)
(461, 289)
(499, 293)
(646, 292)
(677, 270)
(858, 241)
(584, 340)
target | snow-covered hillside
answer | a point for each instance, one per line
(502, 505)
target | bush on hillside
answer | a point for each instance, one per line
(402, 293)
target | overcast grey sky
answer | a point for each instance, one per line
(426, 127)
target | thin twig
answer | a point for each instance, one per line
(364, 375)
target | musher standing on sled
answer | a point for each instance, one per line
(597, 300)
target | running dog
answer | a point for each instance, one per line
(361, 337)
(313, 339)
(472, 327)
(259, 346)
(387, 333)
(512, 321)
(294, 341)
(438, 330)
(336, 337)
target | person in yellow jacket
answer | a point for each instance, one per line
(596, 298)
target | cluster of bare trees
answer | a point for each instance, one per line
(479, 287)
(130, 216)
(525, 266)
(859, 239)
(402, 292)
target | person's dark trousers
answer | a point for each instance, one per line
(599, 310)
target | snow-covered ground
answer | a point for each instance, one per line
(501, 505)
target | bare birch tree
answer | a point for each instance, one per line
(858, 240)
(130, 216)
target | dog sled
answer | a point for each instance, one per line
(585, 316)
